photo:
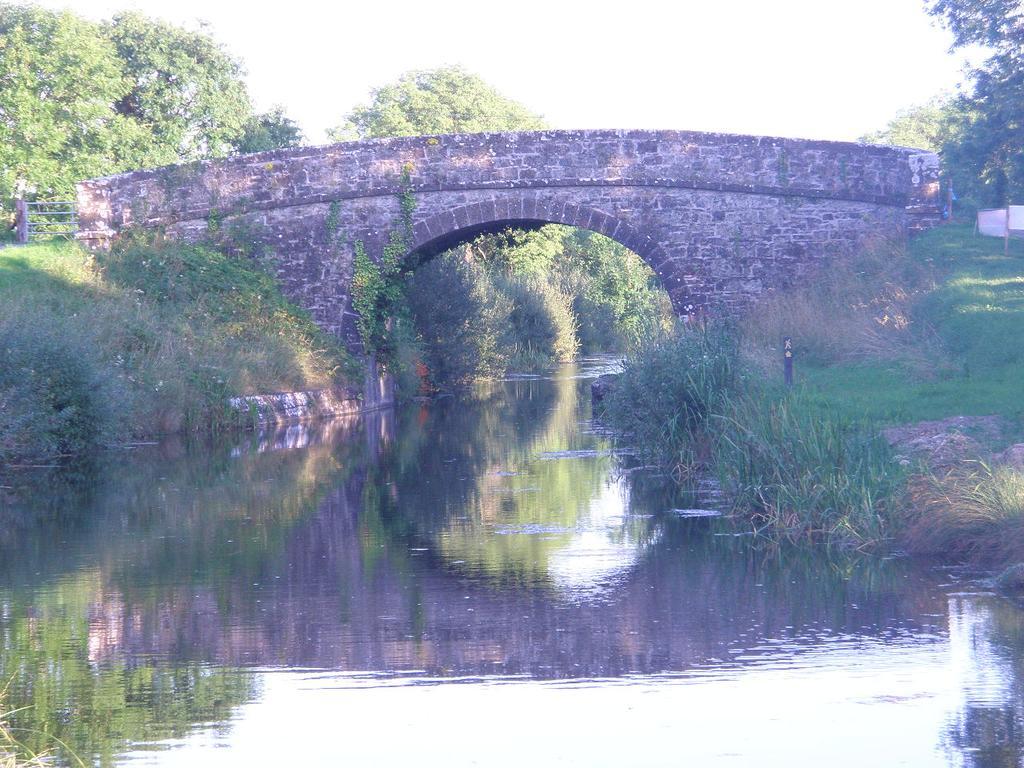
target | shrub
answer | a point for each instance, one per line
(541, 327)
(54, 399)
(150, 338)
(460, 318)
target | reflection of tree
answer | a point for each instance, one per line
(342, 555)
(59, 695)
(480, 458)
(140, 545)
(170, 511)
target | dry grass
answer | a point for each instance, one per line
(974, 511)
(854, 310)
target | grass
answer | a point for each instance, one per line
(976, 512)
(896, 335)
(799, 472)
(966, 315)
(794, 470)
(13, 754)
(150, 338)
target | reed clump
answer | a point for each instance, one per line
(794, 469)
(801, 472)
(670, 390)
(974, 510)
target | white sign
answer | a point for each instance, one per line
(1016, 218)
(993, 222)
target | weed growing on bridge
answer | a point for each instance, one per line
(383, 321)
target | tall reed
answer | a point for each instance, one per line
(801, 472)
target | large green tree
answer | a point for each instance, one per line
(986, 152)
(80, 99)
(59, 76)
(269, 130)
(926, 126)
(184, 87)
(436, 101)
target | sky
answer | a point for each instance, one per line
(820, 69)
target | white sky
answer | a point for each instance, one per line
(815, 69)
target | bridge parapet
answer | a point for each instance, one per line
(535, 160)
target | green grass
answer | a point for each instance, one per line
(150, 338)
(973, 315)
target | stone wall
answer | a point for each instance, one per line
(720, 218)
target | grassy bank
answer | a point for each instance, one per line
(894, 336)
(150, 338)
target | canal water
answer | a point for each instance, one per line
(485, 580)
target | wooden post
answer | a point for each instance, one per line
(21, 220)
(787, 360)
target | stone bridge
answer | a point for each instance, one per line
(720, 218)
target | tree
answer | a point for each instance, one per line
(437, 101)
(270, 130)
(59, 77)
(184, 87)
(986, 153)
(80, 99)
(926, 126)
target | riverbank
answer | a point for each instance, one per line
(899, 432)
(149, 338)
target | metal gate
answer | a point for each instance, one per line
(45, 220)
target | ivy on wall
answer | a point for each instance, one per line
(377, 286)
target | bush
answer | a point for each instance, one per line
(54, 399)
(461, 320)
(541, 327)
(475, 325)
(150, 338)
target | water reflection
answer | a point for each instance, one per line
(495, 541)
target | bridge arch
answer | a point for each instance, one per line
(448, 228)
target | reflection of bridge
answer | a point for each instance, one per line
(718, 217)
(338, 598)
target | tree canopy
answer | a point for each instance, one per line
(926, 126)
(184, 86)
(270, 130)
(985, 151)
(59, 76)
(81, 99)
(436, 101)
